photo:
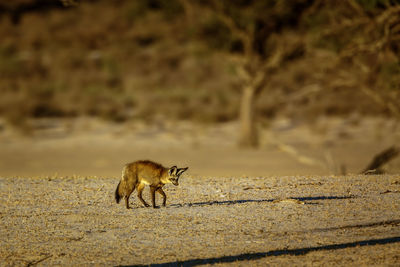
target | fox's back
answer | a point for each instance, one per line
(144, 171)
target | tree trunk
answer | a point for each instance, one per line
(248, 129)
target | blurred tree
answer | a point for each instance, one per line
(370, 42)
(251, 32)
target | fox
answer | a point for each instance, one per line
(140, 173)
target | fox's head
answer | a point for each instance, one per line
(174, 173)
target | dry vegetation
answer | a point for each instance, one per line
(65, 61)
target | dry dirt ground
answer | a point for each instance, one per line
(283, 204)
(287, 221)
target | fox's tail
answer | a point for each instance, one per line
(117, 196)
(120, 192)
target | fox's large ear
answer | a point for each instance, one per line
(181, 170)
(172, 170)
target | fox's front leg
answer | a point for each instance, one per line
(127, 202)
(153, 196)
(159, 190)
(140, 190)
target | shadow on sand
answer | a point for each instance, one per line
(395, 222)
(283, 252)
(242, 201)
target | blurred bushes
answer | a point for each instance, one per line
(371, 5)
(124, 59)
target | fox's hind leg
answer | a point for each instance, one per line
(159, 190)
(128, 194)
(140, 190)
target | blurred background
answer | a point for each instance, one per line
(262, 87)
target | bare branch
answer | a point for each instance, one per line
(346, 23)
(69, 3)
(188, 9)
(385, 20)
(355, 6)
(375, 167)
(244, 74)
(378, 99)
(293, 152)
(244, 36)
(372, 94)
(388, 13)
(313, 8)
(272, 63)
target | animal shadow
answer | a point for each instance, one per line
(242, 201)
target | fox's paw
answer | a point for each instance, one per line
(156, 207)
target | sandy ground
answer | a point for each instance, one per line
(283, 204)
(89, 147)
(288, 220)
